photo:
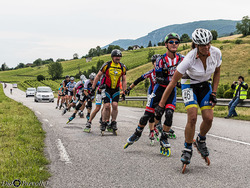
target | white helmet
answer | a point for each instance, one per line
(83, 77)
(202, 36)
(72, 78)
(92, 76)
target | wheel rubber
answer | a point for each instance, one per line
(183, 168)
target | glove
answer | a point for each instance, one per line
(178, 85)
(159, 110)
(127, 91)
(123, 97)
(103, 86)
(212, 99)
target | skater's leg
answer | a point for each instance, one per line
(114, 112)
(207, 116)
(190, 126)
(93, 114)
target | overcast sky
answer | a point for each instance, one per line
(32, 29)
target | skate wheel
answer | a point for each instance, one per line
(174, 136)
(207, 160)
(183, 168)
(168, 152)
(152, 142)
(161, 150)
(126, 145)
(102, 133)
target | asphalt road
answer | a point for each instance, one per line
(80, 159)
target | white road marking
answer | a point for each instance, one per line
(63, 153)
(50, 125)
(46, 120)
(220, 137)
(38, 112)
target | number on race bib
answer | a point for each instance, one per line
(187, 95)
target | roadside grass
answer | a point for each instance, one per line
(21, 143)
(219, 111)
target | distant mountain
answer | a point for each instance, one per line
(223, 27)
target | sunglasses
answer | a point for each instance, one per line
(173, 42)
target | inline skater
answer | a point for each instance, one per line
(100, 94)
(195, 71)
(60, 96)
(78, 98)
(113, 70)
(164, 69)
(151, 75)
(70, 86)
(65, 82)
(88, 93)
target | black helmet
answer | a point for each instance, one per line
(154, 57)
(172, 36)
(67, 76)
(116, 53)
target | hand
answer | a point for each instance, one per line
(159, 110)
(127, 91)
(123, 97)
(92, 91)
(212, 99)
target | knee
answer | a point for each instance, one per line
(192, 119)
(168, 117)
(208, 119)
(115, 106)
(144, 119)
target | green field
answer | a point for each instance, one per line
(21, 143)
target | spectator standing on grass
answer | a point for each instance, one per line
(240, 93)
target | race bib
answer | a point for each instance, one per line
(187, 95)
(103, 94)
(149, 99)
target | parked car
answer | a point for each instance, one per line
(30, 91)
(14, 85)
(44, 93)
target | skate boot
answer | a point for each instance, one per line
(57, 106)
(152, 137)
(88, 127)
(60, 107)
(185, 158)
(136, 136)
(64, 111)
(100, 120)
(113, 125)
(109, 127)
(202, 149)
(156, 134)
(171, 134)
(103, 127)
(71, 118)
(165, 146)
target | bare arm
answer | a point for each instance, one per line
(177, 76)
(216, 79)
(97, 78)
(124, 83)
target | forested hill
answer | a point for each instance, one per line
(223, 28)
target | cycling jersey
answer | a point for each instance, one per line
(71, 86)
(88, 85)
(79, 86)
(151, 75)
(113, 72)
(165, 67)
(65, 84)
(192, 67)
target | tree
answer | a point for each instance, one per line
(40, 77)
(55, 70)
(130, 48)
(150, 44)
(215, 34)
(244, 26)
(59, 60)
(20, 65)
(185, 38)
(38, 62)
(4, 67)
(151, 52)
(75, 56)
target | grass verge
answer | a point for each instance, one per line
(21, 144)
(219, 111)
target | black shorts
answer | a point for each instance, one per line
(70, 93)
(111, 95)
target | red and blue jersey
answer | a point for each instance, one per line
(151, 75)
(165, 66)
